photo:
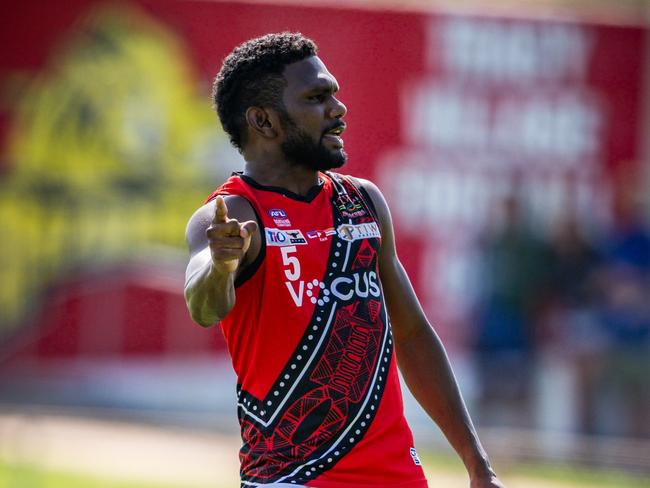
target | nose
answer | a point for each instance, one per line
(338, 109)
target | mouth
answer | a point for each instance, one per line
(334, 134)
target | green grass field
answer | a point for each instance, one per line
(442, 472)
(540, 475)
(34, 477)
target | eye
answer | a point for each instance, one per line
(319, 97)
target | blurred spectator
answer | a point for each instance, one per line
(573, 262)
(625, 317)
(623, 312)
(570, 325)
(601, 319)
(516, 277)
(629, 242)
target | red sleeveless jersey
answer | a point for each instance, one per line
(319, 400)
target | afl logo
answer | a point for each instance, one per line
(277, 213)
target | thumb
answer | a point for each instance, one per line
(247, 229)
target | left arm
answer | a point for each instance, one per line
(422, 358)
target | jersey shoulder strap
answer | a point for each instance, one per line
(350, 193)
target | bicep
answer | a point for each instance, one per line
(404, 309)
(195, 233)
(197, 262)
(197, 241)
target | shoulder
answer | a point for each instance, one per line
(367, 185)
(377, 200)
(234, 185)
(375, 195)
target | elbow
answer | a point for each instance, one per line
(207, 305)
(198, 313)
(205, 323)
(418, 334)
(199, 317)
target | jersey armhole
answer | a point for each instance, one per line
(248, 272)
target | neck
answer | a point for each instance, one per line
(276, 171)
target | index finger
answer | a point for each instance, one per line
(221, 210)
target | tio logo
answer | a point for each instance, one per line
(278, 237)
(275, 237)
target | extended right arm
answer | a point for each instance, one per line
(220, 248)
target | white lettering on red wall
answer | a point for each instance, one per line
(505, 107)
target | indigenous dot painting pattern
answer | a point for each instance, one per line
(325, 398)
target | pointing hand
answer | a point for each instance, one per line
(229, 239)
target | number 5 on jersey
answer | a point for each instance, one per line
(292, 272)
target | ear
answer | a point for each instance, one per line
(262, 121)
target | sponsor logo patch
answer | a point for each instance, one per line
(354, 232)
(281, 237)
(350, 206)
(282, 222)
(343, 288)
(279, 217)
(321, 235)
(415, 457)
(277, 213)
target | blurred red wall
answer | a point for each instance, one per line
(382, 59)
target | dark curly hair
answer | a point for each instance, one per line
(252, 75)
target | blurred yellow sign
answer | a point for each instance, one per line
(109, 150)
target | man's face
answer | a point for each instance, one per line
(312, 122)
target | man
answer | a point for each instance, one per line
(295, 261)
